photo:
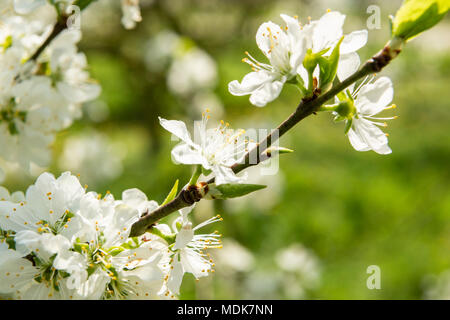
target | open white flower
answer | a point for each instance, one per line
(324, 34)
(121, 268)
(192, 71)
(285, 50)
(37, 224)
(187, 253)
(216, 150)
(60, 242)
(67, 69)
(47, 207)
(38, 99)
(27, 6)
(368, 100)
(40, 279)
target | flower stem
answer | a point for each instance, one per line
(330, 107)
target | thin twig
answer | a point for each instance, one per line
(307, 106)
(59, 26)
(57, 29)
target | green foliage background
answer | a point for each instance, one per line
(352, 209)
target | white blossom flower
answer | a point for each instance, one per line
(131, 13)
(192, 71)
(83, 153)
(37, 99)
(324, 34)
(285, 51)
(123, 268)
(367, 101)
(47, 206)
(216, 150)
(39, 279)
(436, 286)
(75, 245)
(296, 258)
(160, 49)
(234, 257)
(37, 226)
(66, 68)
(25, 126)
(187, 253)
(27, 6)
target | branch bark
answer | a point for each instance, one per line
(307, 106)
(59, 26)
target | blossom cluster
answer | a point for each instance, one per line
(310, 56)
(40, 96)
(58, 241)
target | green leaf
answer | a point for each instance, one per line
(416, 16)
(169, 238)
(228, 190)
(172, 194)
(328, 67)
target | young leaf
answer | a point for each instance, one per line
(277, 150)
(328, 67)
(416, 16)
(172, 194)
(228, 190)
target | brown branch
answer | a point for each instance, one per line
(59, 26)
(307, 106)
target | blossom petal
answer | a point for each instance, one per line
(353, 41)
(79, 93)
(185, 211)
(184, 153)
(175, 277)
(266, 93)
(194, 263)
(374, 97)
(251, 82)
(135, 198)
(225, 175)
(356, 141)
(298, 40)
(372, 136)
(269, 36)
(184, 236)
(328, 30)
(293, 27)
(26, 6)
(178, 128)
(348, 65)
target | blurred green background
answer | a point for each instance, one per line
(331, 211)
